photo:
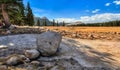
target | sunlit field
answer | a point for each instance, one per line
(88, 29)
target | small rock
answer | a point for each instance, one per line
(48, 43)
(32, 54)
(91, 36)
(24, 59)
(74, 35)
(8, 32)
(3, 67)
(37, 63)
(12, 27)
(59, 67)
(30, 67)
(13, 60)
(48, 64)
(47, 30)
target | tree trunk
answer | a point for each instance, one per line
(5, 16)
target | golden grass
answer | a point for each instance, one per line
(89, 29)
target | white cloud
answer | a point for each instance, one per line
(100, 18)
(66, 19)
(107, 4)
(105, 17)
(117, 2)
(96, 10)
(38, 10)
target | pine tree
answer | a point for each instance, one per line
(53, 22)
(38, 22)
(29, 16)
(63, 23)
(22, 9)
(44, 22)
(19, 16)
(57, 23)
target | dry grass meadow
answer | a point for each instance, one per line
(88, 29)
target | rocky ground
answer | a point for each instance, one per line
(79, 50)
(73, 54)
(96, 33)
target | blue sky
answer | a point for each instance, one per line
(77, 10)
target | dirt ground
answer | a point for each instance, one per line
(99, 52)
(89, 46)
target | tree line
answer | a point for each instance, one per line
(110, 23)
(53, 23)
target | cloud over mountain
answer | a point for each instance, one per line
(105, 17)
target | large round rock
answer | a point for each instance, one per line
(48, 43)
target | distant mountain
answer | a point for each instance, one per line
(75, 23)
(49, 23)
(42, 20)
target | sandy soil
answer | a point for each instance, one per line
(99, 52)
